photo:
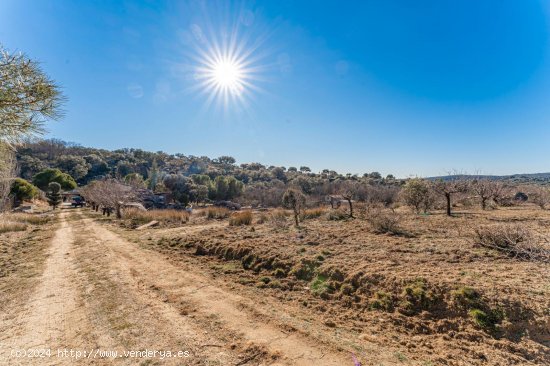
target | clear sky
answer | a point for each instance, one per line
(404, 87)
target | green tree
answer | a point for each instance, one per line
(47, 176)
(220, 188)
(54, 194)
(153, 176)
(97, 166)
(76, 166)
(417, 195)
(23, 190)
(201, 179)
(180, 187)
(28, 97)
(199, 193)
(234, 188)
(135, 180)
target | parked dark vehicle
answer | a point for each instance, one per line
(77, 202)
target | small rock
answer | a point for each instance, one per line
(329, 323)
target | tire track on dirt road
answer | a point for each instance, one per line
(53, 317)
(180, 296)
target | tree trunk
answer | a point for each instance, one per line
(448, 198)
(118, 212)
(483, 203)
(296, 217)
(350, 208)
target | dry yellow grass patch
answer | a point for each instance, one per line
(164, 216)
(241, 218)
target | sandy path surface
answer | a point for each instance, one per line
(101, 292)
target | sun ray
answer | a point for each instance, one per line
(227, 64)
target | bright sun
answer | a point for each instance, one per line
(228, 75)
(227, 67)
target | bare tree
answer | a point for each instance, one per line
(110, 194)
(485, 189)
(539, 196)
(500, 192)
(348, 191)
(450, 187)
(295, 200)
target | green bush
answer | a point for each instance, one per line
(54, 194)
(47, 176)
(416, 297)
(382, 301)
(23, 190)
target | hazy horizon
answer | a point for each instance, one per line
(399, 88)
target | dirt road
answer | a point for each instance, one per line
(102, 297)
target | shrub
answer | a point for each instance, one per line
(319, 285)
(54, 194)
(7, 226)
(416, 297)
(482, 314)
(417, 195)
(382, 301)
(466, 297)
(241, 218)
(164, 216)
(512, 240)
(383, 222)
(47, 176)
(486, 319)
(217, 213)
(23, 190)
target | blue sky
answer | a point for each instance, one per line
(402, 87)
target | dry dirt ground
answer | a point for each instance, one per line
(271, 294)
(99, 293)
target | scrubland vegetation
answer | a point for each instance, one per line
(438, 287)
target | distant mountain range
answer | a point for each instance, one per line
(516, 178)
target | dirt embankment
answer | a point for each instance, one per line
(429, 297)
(101, 292)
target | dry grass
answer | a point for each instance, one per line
(278, 217)
(313, 213)
(9, 226)
(263, 218)
(241, 218)
(218, 213)
(164, 216)
(353, 274)
(30, 218)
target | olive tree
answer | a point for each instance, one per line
(418, 195)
